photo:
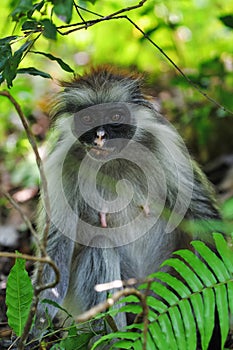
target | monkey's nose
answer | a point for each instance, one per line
(100, 138)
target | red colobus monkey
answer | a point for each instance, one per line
(116, 169)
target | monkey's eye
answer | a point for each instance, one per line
(86, 119)
(117, 118)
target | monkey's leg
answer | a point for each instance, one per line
(93, 266)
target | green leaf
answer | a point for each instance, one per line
(173, 282)
(189, 324)
(166, 327)
(198, 308)
(129, 299)
(230, 296)
(156, 304)
(9, 72)
(62, 64)
(225, 251)
(178, 327)
(211, 258)
(227, 20)
(158, 336)
(133, 308)
(34, 71)
(50, 30)
(11, 65)
(138, 344)
(223, 314)
(31, 25)
(185, 272)
(22, 49)
(56, 305)
(5, 55)
(163, 292)
(22, 8)
(209, 314)
(19, 296)
(63, 9)
(198, 266)
(8, 39)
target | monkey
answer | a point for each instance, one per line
(121, 184)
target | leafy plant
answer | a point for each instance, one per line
(19, 295)
(188, 307)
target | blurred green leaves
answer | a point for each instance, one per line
(197, 36)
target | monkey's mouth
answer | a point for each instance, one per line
(107, 149)
(99, 152)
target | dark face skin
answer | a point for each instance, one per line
(104, 127)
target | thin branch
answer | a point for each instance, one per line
(25, 219)
(43, 260)
(78, 12)
(32, 141)
(178, 69)
(88, 315)
(87, 24)
(127, 9)
(89, 11)
(103, 18)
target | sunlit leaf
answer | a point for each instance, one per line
(34, 71)
(61, 63)
(50, 30)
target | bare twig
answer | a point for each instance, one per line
(178, 69)
(86, 24)
(89, 11)
(25, 218)
(78, 12)
(32, 141)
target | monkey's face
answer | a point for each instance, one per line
(104, 128)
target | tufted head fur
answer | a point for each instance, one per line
(100, 85)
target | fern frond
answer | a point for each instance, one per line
(181, 308)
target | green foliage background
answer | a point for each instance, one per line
(196, 34)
